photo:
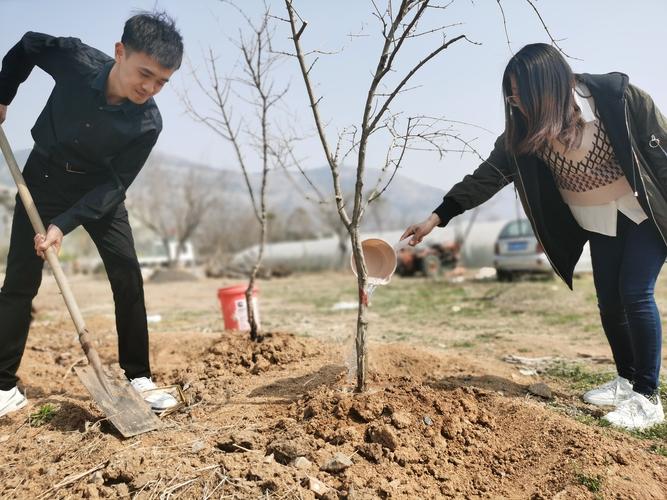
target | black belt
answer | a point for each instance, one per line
(65, 164)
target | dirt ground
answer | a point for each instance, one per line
(474, 392)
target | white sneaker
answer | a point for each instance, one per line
(637, 412)
(610, 394)
(11, 400)
(159, 401)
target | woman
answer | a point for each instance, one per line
(586, 155)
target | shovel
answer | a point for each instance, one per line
(123, 406)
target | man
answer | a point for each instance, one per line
(91, 140)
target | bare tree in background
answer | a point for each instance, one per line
(298, 225)
(231, 230)
(258, 62)
(172, 210)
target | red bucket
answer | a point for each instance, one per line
(234, 308)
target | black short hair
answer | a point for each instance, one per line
(155, 34)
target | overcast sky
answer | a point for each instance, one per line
(462, 84)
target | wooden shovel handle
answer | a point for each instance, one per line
(51, 255)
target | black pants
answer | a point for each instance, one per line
(54, 191)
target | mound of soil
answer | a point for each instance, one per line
(236, 352)
(278, 419)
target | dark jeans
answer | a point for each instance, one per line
(625, 269)
(55, 190)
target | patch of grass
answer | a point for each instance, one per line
(467, 344)
(554, 318)
(487, 337)
(324, 303)
(657, 432)
(591, 420)
(427, 299)
(592, 483)
(473, 310)
(659, 449)
(592, 328)
(577, 376)
(592, 298)
(43, 415)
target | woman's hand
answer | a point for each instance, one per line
(420, 230)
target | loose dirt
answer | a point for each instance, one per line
(278, 419)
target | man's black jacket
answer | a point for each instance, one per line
(108, 143)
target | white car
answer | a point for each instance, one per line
(517, 251)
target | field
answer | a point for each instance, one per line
(474, 393)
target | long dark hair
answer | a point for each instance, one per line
(545, 82)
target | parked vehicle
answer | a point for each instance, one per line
(428, 260)
(154, 254)
(518, 252)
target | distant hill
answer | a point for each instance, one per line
(403, 202)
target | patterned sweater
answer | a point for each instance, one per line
(589, 177)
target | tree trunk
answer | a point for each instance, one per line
(263, 219)
(255, 332)
(342, 250)
(177, 255)
(362, 318)
(170, 260)
(254, 326)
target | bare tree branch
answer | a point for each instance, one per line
(172, 211)
(507, 36)
(546, 28)
(434, 30)
(397, 164)
(296, 35)
(411, 73)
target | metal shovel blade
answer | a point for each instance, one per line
(123, 406)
